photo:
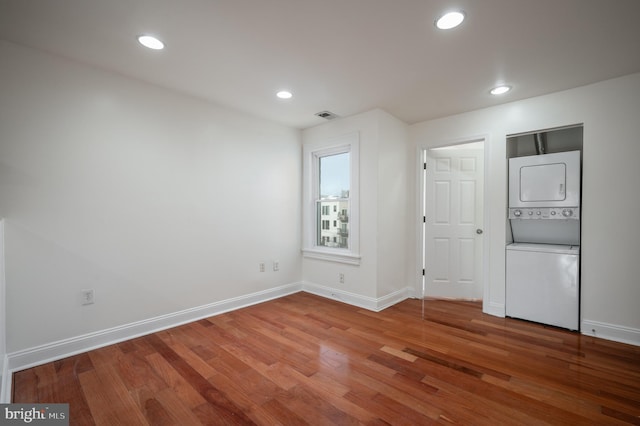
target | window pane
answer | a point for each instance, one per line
(334, 176)
(333, 229)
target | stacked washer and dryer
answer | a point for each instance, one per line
(543, 262)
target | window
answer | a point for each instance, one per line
(331, 194)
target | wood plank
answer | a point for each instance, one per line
(180, 387)
(224, 409)
(109, 399)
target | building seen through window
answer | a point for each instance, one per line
(333, 203)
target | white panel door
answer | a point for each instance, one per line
(453, 223)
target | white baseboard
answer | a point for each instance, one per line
(613, 332)
(370, 303)
(412, 293)
(396, 297)
(495, 309)
(31, 357)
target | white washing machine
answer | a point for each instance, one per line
(543, 283)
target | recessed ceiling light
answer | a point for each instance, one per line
(499, 90)
(151, 42)
(450, 20)
(284, 94)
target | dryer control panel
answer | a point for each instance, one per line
(545, 213)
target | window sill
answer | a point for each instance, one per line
(341, 256)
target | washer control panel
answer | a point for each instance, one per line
(545, 213)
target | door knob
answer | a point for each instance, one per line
(478, 231)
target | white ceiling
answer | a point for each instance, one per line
(345, 56)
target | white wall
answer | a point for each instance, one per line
(382, 168)
(610, 203)
(158, 201)
(4, 397)
(392, 195)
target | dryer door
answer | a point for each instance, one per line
(548, 180)
(543, 182)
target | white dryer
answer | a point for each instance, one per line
(544, 198)
(547, 180)
(542, 264)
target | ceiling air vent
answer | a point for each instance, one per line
(327, 115)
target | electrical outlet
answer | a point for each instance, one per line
(276, 265)
(262, 268)
(88, 297)
(341, 278)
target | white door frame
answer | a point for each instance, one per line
(420, 196)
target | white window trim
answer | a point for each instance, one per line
(311, 152)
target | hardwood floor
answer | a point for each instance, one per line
(303, 359)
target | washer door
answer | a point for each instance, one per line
(542, 286)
